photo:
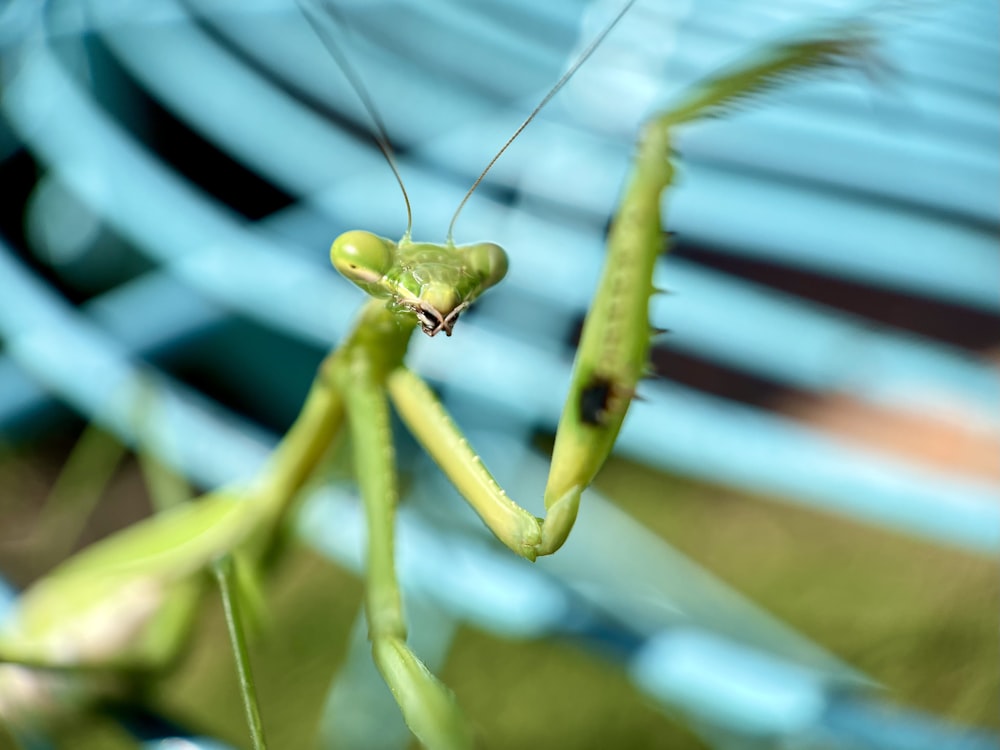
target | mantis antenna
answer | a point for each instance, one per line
(382, 139)
(545, 100)
(380, 135)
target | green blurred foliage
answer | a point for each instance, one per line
(920, 620)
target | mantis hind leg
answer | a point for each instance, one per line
(428, 706)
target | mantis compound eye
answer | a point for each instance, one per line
(488, 260)
(362, 257)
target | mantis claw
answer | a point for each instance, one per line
(559, 521)
(428, 706)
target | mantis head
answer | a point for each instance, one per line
(433, 282)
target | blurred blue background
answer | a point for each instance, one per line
(812, 564)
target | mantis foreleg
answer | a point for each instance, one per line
(614, 345)
(427, 705)
(434, 428)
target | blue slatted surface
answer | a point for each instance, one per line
(891, 188)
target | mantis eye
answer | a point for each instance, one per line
(488, 260)
(362, 257)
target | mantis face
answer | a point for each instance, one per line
(433, 282)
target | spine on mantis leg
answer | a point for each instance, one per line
(850, 44)
(614, 345)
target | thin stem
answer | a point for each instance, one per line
(225, 575)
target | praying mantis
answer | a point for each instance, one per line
(126, 602)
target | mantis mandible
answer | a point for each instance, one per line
(126, 602)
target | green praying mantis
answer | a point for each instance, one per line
(127, 602)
